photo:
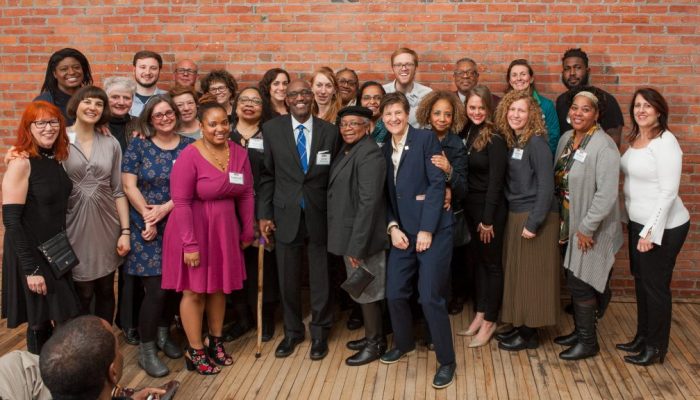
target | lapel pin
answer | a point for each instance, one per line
(405, 148)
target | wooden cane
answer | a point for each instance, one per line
(261, 257)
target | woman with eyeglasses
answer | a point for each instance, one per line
(370, 96)
(146, 171)
(221, 84)
(35, 193)
(348, 82)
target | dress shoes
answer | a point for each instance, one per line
(444, 376)
(394, 355)
(635, 346)
(319, 349)
(373, 349)
(287, 345)
(518, 342)
(650, 355)
(357, 345)
(507, 335)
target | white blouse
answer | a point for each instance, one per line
(652, 178)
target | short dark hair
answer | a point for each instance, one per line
(50, 84)
(365, 85)
(207, 105)
(220, 75)
(395, 98)
(266, 109)
(660, 105)
(143, 54)
(346, 69)
(576, 52)
(88, 92)
(75, 361)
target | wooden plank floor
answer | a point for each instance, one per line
(483, 373)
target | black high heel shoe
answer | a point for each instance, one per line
(635, 346)
(650, 355)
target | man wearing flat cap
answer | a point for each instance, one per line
(356, 219)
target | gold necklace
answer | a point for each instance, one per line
(222, 166)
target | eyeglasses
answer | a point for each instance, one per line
(351, 124)
(160, 116)
(347, 82)
(217, 89)
(303, 93)
(253, 101)
(374, 98)
(42, 124)
(470, 73)
(185, 71)
(404, 65)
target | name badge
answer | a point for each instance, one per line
(255, 143)
(323, 158)
(71, 137)
(518, 154)
(235, 178)
(580, 155)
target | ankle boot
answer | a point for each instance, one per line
(374, 348)
(36, 339)
(587, 344)
(649, 355)
(635, 346)
(149, 361)
(164, 343)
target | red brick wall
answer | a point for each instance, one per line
(629, 43)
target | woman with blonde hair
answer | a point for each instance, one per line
(327, 100)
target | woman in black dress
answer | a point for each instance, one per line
(35, 194)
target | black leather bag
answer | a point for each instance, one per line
(358, 281)
(460, 230)
(59, 254)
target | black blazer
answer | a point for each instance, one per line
(356, 204)
(283, 183)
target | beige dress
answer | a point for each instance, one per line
(92, 222)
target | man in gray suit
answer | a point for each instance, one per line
(298, 151)
(356, 216)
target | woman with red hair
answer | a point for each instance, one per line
(35, 194)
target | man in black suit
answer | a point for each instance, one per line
(356, 222)
(298, 150)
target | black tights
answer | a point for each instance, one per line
(102, 289)
(157, 308)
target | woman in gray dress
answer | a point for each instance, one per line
(98, 212)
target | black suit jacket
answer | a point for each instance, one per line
(356, 203)
(283, 183)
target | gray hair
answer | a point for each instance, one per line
(119, 83)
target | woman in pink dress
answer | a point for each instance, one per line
(212, 188)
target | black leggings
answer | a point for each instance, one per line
(581, 292)
(157, 308)
(102, 290)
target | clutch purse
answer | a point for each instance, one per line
(460, 230)
(59, 254)
(358, 281)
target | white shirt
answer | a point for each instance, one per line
(414, 97)
(462, 97)
(652, 178)
(307, 134)
(397, 150)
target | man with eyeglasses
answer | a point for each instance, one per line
(348, 83)
(186, 74)
(147, 66)
(291, 203)
(466, 77)
(404, 63)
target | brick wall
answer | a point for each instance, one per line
(630, 44)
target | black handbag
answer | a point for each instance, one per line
(357, 281)
(59, 254)
(460, 230)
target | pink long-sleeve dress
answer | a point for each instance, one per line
(213, 214)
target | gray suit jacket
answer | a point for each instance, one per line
(356, 203)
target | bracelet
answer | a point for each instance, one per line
(485, 228)
(125, 234)
(126, 229)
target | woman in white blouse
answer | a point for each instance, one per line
(658, 222)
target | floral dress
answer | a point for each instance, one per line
(152, 166)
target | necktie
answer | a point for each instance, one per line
(301, 149)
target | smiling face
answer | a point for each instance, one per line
(45, 129)
(278, 87)
(323, 89)
(187, 106)
(441, 116)
(583, 114)
(146, 72)
(68, 74)
(353, 128)
(371, 97)
(574, 72)
(645, 115)
(517, 115)
(466, 76)
(404, 67)
(89, 110)
(186, 73)
(520, 78)
(249, 106)
(120, 102)
(163, 119)
(476, 112)
(395, 119)
(221, 91)
(347, 85)
(215, 126)
(299, 96)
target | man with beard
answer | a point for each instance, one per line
(291, 202)
(575, 75)
(147, 66)
(404, 63)
(466, 76)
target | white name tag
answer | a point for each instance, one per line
(235, 178)
(71, 137)
(255, 143)
(518, 154)
(580, 155)
(323, 158)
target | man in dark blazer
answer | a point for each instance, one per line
(298, 151)
(356, 223)
(421, 236)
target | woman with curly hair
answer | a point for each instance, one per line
(221, 84)
(327, 101)
(531, 254)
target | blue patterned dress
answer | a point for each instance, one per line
(152, 166)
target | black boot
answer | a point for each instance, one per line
(650, 355)
(36, 338)
(635, 346)
(567, 340)
(374, 348)
(164, 343)
(375, 342)
(355, 320)
(587, 344)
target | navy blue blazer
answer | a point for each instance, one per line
(416, 199)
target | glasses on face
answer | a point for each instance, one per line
(404, 65)
(470, 73)
(347, 82)
(376, 98)
(160, 116)
(42, 124)
(185, 71)
(252, 101)
(217, 89)
(350, 124)
(303, 93)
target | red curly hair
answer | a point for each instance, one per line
(25, 141)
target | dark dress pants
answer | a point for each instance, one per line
(289, 264)
(433, 269)
(652, 273)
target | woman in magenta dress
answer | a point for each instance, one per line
(212, 188)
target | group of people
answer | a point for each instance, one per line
(411, 189)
